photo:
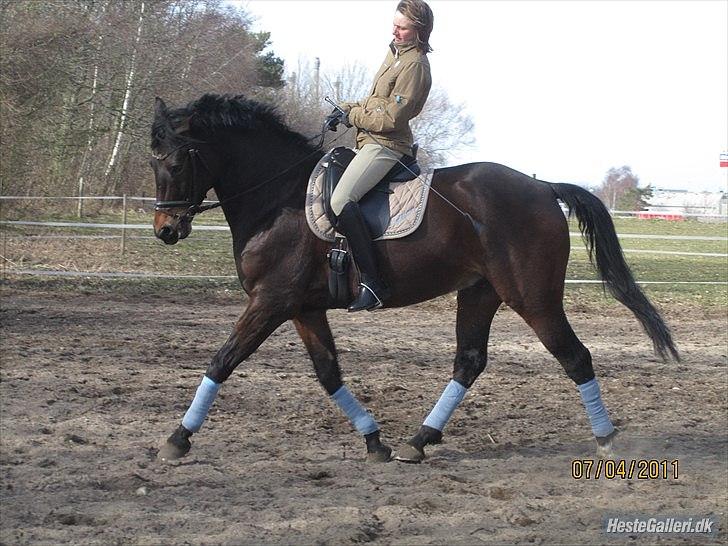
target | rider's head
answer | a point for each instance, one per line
(413, 21)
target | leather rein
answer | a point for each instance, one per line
(193, 208)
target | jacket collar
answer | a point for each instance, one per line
(398, 50)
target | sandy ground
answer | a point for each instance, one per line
(91, 382)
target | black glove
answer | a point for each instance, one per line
(336, 117)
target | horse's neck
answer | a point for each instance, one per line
(252, 212)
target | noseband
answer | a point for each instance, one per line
(189, 203)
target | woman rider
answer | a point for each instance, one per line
(398, 94)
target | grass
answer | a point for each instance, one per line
(663, 227)
(209, 253)
(657, 267)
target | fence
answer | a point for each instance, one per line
(125, 228)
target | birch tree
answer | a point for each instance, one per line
(125, 103)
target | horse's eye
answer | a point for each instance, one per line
(174, 170)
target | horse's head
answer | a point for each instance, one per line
(182, 174)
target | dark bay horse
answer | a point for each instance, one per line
(505, 240)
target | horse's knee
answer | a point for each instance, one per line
(469, 364)
(329, 375)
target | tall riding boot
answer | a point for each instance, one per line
(372, 290)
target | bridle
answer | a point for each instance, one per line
(191, 205)
(193, 208)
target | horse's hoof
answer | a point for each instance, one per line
(605, 445)
(171, 451)
(410, 454)
(382, 455)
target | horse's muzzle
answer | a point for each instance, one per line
(171, 229)
(168, 235)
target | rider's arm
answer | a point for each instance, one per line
(385, 114)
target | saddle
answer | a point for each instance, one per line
(375, 204)
(393, 208)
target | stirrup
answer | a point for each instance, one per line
(367, 299)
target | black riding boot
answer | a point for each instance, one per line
(372, 290)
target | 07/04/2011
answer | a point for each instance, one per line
(625, 469)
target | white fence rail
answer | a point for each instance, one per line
(619, 213)
(125, 227)
(225, 228)
(137, 275)
(146, 227)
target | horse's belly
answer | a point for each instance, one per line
(419, 270)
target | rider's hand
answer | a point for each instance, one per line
(336, 117)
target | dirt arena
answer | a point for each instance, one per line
(92, 381)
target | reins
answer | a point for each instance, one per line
(197, 208)
(416, 176)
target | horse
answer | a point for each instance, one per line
(495, 235)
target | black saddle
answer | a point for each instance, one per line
(375, 204)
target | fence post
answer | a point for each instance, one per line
(123, 223)
(79, 210)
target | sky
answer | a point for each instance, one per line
(564, 89)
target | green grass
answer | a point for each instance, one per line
(663, 227)
(657, 267)
(210, 253)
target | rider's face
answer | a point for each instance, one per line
(403, 29)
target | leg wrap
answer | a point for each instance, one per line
(443, 410)
(592, 398)
(204, 397)
(359, 417)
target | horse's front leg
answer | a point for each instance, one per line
(259, 321)
(313, 327)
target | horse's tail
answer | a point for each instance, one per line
(605, 254)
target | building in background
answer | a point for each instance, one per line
(678, 204)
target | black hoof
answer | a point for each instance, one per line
(410, 454)
(381, 455)
(377, 452)
(176, 446)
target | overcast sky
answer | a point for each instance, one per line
(561, 89)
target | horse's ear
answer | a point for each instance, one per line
(160, 109)
(183, 126)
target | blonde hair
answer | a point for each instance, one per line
(421, 15)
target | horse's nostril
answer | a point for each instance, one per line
(168, 235)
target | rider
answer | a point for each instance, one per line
(383, 137)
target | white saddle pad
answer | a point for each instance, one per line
(406, 206)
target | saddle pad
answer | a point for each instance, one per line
(406, 206)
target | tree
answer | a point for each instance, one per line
(620, 191)
(269, 66)
(78, 80)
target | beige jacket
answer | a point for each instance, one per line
(398, 94)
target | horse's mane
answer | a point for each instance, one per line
(211, 113)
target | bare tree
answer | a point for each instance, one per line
(78, 80)
(620, 191)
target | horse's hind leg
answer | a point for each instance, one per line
(316, 335)
(555, 332)
(476, 307)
